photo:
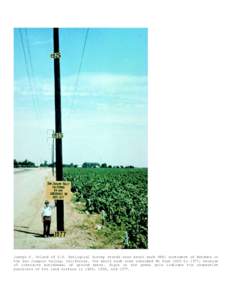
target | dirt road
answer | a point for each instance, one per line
(29, 196)
(28, 202)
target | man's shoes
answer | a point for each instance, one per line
(46, 235)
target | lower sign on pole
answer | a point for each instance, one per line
(58, 190)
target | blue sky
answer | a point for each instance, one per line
(104, 106)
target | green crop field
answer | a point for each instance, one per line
(119, 195)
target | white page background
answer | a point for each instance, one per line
(190, 148)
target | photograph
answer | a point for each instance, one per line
(115, 125)
(81, 138)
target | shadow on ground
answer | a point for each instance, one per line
(36, 234)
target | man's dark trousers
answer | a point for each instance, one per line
(46, 225)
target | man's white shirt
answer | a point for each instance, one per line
(47, 210)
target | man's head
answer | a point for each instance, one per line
(46, 202)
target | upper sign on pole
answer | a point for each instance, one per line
(58, 190)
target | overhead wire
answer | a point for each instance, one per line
(34, 82)
(28, 73)
(25, 43)
(77, 80)
(76, 83)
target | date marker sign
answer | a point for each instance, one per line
(58, 190)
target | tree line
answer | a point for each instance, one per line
(24, 164)
(29, 164)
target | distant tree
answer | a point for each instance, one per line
(16, 165)
(23, 164)
(121, 167)
(90, 165)
(45, 164)
(109, 166)
(104, 165)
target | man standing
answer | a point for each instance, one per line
(46, 217)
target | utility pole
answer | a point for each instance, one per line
(58, 130)
(53, 146)
(52, 136)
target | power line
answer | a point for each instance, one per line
(28, 72)
(31, 65)
(76, 83)
(34, 82)
(29, 52)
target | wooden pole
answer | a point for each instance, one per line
(58, 128)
